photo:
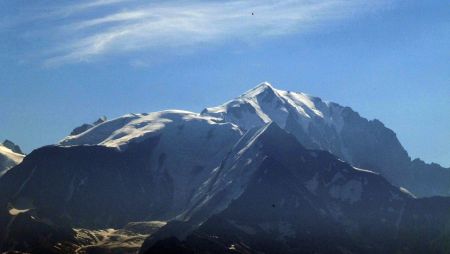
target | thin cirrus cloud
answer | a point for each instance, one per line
(90, 30)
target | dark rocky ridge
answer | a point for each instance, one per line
(84, 127)
(13, 147)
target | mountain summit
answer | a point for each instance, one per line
(264, 104)
(328, 126)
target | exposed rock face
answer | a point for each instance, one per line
(84, 127)
(13, 147)
(127, 240)
(80, 129)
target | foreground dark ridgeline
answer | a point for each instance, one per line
(264, 173)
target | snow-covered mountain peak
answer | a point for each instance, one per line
(264, 104)
(262, 88)
(265, 92)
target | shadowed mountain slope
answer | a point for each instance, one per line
(304, 201)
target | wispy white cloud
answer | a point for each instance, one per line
(72, 9)
(85, 31)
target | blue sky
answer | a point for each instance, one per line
(63, 63)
